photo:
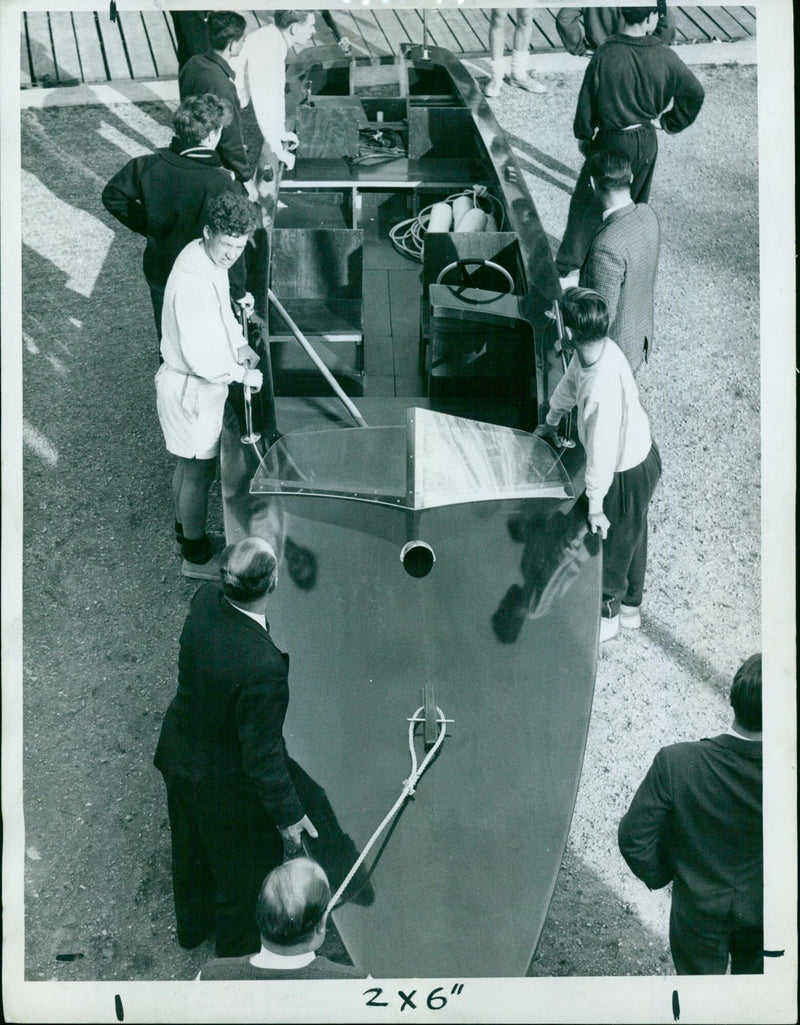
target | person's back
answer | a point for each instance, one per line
(622, 265)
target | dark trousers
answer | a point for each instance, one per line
(223, 844)
(625, 548)
(157, 297)
(191, 34)
(701, 946)
(585, 216)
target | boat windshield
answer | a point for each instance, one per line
(434, 460)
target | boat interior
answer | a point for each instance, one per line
(427, 314)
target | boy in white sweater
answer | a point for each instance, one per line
(623, 464)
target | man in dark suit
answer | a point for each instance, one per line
(696, 821)
(221, 752)
(292, 914)
(623, 260)
(211, 72)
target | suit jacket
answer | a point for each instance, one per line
(226, 719)
(696, 819)
(621, 266)
(210, 73)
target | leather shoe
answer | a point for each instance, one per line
(201, 570)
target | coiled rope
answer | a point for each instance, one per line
(408, 237)
(409, 787)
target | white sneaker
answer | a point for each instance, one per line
(528, 83)
(493, 87)
(609, 628)
(629, 617)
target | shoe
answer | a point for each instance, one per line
(609, 628)
(629, 617)
(217, 540)
(528, 83)
(493, 87)
(201, 570)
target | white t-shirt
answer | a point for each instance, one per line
(261, 77)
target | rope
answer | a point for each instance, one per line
(408, 237)
(409, 787)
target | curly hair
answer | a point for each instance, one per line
(224, 26)
(231, 214)
(585, 314)
(198, 116)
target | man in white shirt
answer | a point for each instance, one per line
(261, 78)
(623, 464)
(204, 350)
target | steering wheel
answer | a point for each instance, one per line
(463, 264)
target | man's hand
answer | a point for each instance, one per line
(599, 522)
(583, 146)
(252, 191)
(253, 379)
(287, 158)
(247, 303)
(247, 355)
(294, 834)
(290, 141)
(549, 433)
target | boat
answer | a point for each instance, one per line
(439, 592)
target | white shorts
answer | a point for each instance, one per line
(190, 413)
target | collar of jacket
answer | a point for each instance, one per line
(181, 148)
(241, 617)
(620, 37)
(212, 55)
(748, 748)
(621, 211)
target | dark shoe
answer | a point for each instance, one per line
(202, 570)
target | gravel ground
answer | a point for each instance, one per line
(104, 600)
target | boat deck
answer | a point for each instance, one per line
(65, 48)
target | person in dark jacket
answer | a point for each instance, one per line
(164, 195)
(632, 82)
(211, 72)
(583, 29)
(191, 34)
(292, 914)
(222, 755)
(696, 821)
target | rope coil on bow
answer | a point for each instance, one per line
(409, 788)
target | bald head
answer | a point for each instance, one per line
(249, 570)
(291, 906)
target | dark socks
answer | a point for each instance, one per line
(197, 550)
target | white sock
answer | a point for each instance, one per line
(498, 69)
(519, 63)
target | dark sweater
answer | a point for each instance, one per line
(240, 968)
(164, 196)
(210, 73)
(631, 80)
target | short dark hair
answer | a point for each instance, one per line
(610, 169)
(249, 569)
(231, 214)
(585, 314)
(292, 902)
(223, 26)
(746, 693)
(636, 15)
(198, 116)
(283, 19)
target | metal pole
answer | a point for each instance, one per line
(566, 441)
(301, 338)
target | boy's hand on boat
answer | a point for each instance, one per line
(247, 303)
(549, 434)
(599, 523)
(248, 356)
(253, 379)
(290, 141)
(294, 833)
